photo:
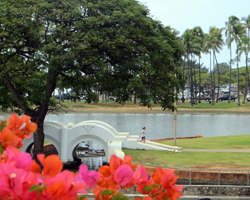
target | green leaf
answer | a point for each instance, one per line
(155, 185)
(81, 198)
(147, 188)
(37, 188)
(123, 198)
(107, 192)
(3, 123)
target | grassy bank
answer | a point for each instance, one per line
(186, 105)
(188, 160)
(222, 142)
(201, 160)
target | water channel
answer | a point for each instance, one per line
(162, 125)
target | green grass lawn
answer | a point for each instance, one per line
(191, 159)
(219, 105)
(222, 142)
(186, 160)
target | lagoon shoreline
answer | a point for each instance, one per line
(155, 110)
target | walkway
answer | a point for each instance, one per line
(218, 150)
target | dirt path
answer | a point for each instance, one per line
(136, 108)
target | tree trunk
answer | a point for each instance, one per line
(199, 79)
(211, 77)
(218, 77)
(238, 83)
(230, 76)
(183, 78)
(38, 137)
(195, 83)
(191, 85)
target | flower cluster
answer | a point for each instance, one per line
(122, 174)
(22, 178)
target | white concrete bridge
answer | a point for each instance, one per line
(66, 138)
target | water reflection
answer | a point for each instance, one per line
(91, 154)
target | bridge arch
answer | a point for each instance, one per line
(86, 137)
(65, 138)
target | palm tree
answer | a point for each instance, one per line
(238, 31)
(190, 45)
(213, 43)
(244, 47)
(247, 27)
(228, 33)
(198, 32)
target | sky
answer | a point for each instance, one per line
(187, 14)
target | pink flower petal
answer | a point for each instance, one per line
(87, 177)
(124, 175)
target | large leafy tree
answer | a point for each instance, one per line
(82, 44)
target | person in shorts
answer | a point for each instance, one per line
(143, 133)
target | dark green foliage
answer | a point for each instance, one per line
(81, 44)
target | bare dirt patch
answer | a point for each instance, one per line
(221, 166)
(236, 147)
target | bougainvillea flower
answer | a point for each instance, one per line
(105, 171)
(168, 179)
(97, 191)
(8, 138)
(21, 160)
(124, 175)
(21, 127)
(57, 190)
(52, 164)
(88, 177)
(157, 175)
(63, 186)
(141, 178)
(114, 163)
(128, 160)
(15, 123)
(11, 180)
(30, 127)
(34, 167)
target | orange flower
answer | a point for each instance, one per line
(52, 164)
(157, 175)
(30, 127)
(8, 138)
(57, 190)
(114, 163)
(128, 160)
(34, 167)
(15, 123)
(22, 127)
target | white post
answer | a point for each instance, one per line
(175, 117)
(64, 144)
